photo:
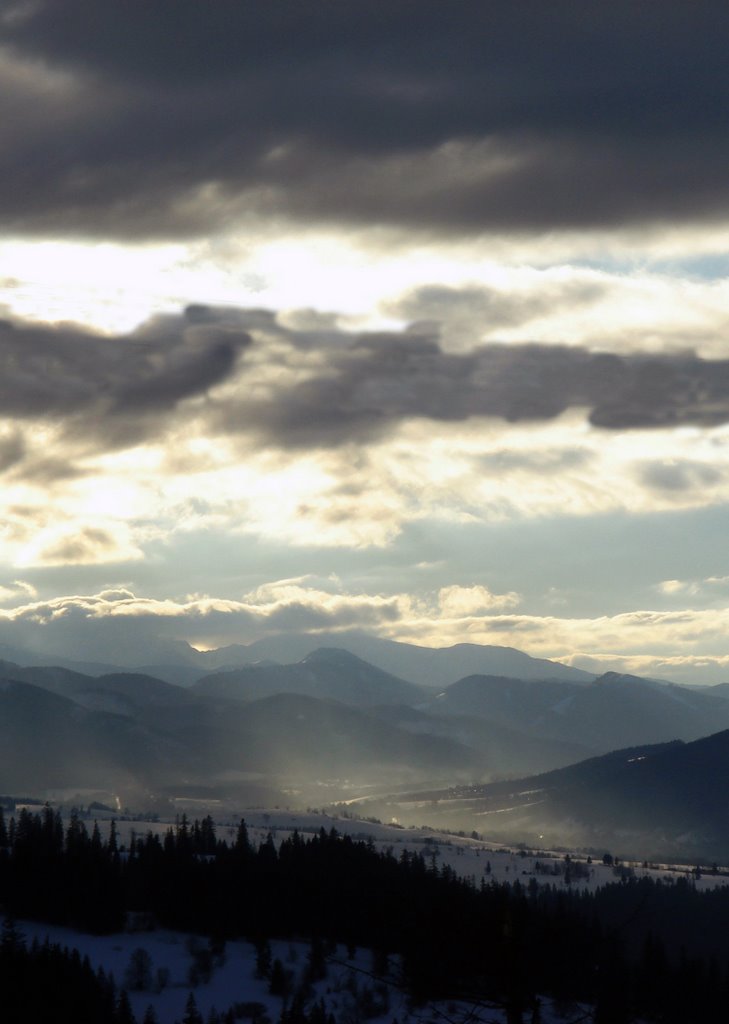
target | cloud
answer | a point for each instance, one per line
(79, 545)
(12, 449)
(679, 475)
(118, 618)
(541, 461)
(325, 388)
(16, 590)
(672, 586)
(52, 370)
(373, 381)
(113, 619)
(711, 589)
(107, 390)
(136, 123)
(471, 310)
(456, 601)
(304, 434)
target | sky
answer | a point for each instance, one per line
(408, 317)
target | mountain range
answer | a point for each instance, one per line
(333, 726)
(178, 662)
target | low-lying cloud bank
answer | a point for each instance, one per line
(679, 645)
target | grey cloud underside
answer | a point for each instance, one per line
(469, 308)
(679, 476)
(114, 392)
(59, 371)
(376, 381)
(463, 117)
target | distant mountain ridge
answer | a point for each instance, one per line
(341, 717)
(424, 666)
(326, 673)
(612, 712)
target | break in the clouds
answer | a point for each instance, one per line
(170, 120)
(429, 299)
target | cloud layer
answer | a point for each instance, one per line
(309, 389)
(236, 419)
(107, 623)
(441, 118)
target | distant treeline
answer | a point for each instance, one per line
(652, 949)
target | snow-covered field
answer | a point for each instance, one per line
(232, 982)
(349, 984)
(467, 857)
(348, 991)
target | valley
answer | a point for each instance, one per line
(553, 753)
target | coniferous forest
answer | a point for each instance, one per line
(636, 947)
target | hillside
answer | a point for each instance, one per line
(657, 800)
(612, 712)
(326, 672)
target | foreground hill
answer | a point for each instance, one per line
(655, 800)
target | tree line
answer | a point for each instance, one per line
(635, 948)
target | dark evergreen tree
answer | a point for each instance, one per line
(124, 1013)
(192, 1014)
(263, 958)
(242, 843)
(279, 983)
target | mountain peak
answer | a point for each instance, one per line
(332, 656)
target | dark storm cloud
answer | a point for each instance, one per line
(315, 389)
(178, 115)
(376, 381)
(108, 388)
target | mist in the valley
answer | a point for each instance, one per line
(536, 761)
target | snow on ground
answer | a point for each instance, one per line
(467, 857)
(343, 991)
(235, 982)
